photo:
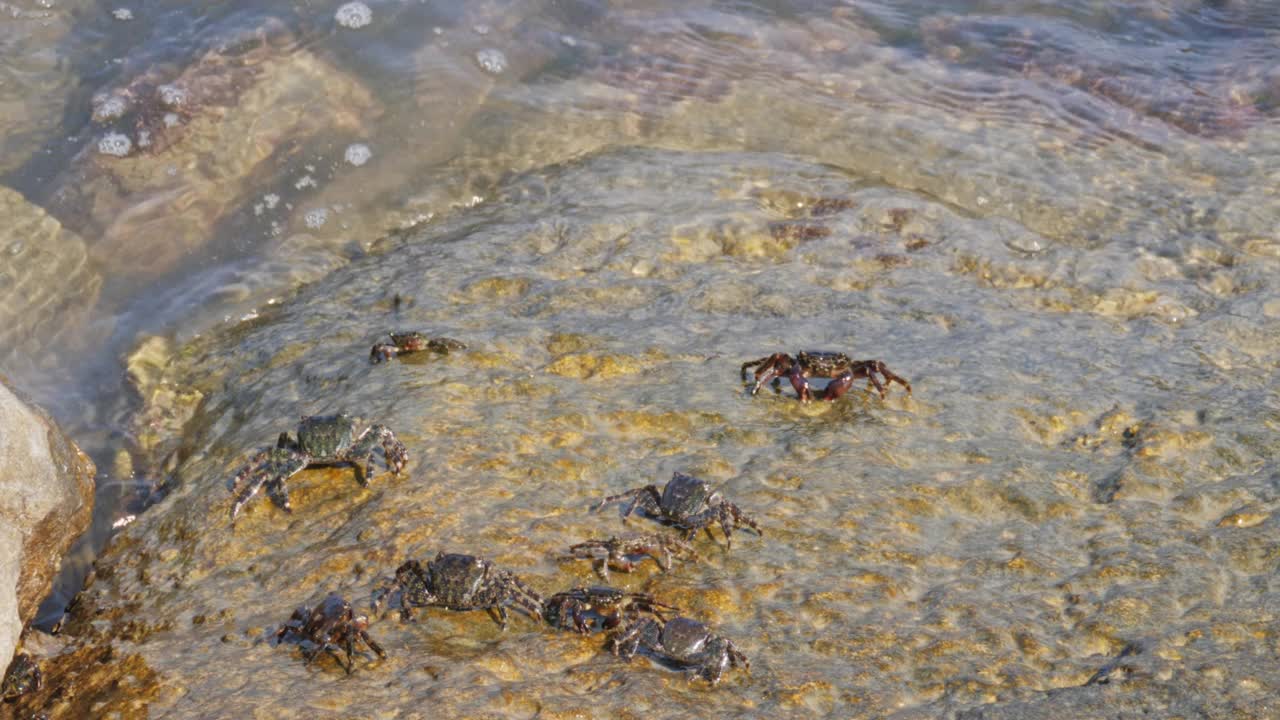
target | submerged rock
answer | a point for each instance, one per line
(46, 499)
(48, 285)
(37, 74)
(174, 150)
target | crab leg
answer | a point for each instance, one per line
(382, 352)
(527, 598)
(890, 377)
(800, 383)
(271, 468)
(499, 615)
(362, 449)
(647, 497)
(771, 368)
(364, 635)
(838, 387)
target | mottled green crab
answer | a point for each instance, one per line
(322, 440)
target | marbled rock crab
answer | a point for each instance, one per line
(328, 627)
(686, 503)
(322, 440)
(608, 607)
(462, 582)
(837, 366)
(624, 553)
(403, 343)
(22, 677)
(681, 642)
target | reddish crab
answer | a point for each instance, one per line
(834, 365)
(329, 627)
(624, 554)
(404, 343)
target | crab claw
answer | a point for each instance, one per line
(396, 453)
(382, 352)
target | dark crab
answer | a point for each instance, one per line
(834, 365)
(330, 626)
(403, 343)
(22, 677)
(322, 440)
(681, 642)
(578, 609)
(462, 582)
(686, 503)
(623, 554)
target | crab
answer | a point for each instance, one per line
(834, 365)
(618, 552)
(403, 343)
(22, 677)
(682, 642)
(462, 582)
(577, 608)
(322, 440)
(328, 627)
(688, 504)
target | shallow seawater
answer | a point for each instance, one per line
(1057, 220)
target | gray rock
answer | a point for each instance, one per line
(46, 500)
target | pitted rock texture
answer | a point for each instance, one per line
(46, 499)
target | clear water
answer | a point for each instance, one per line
(1056, 219)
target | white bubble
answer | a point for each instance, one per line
(144, 139)
(271, 199)
(171, 119)
(358, 154)
(492, 60)
(354, 15)
(172, 95)
(122, 14)
(316, 218)
(117, 144)
(482, 29)
(109, 107)
(305, 181)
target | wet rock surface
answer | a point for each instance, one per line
(47, 488)
(987, 547)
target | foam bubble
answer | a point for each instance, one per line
(116, 144)
(358, 154)
(122, 14)
(492, 60)
(172, 95)
(353, 15)
(109, 107)
(316, 218)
